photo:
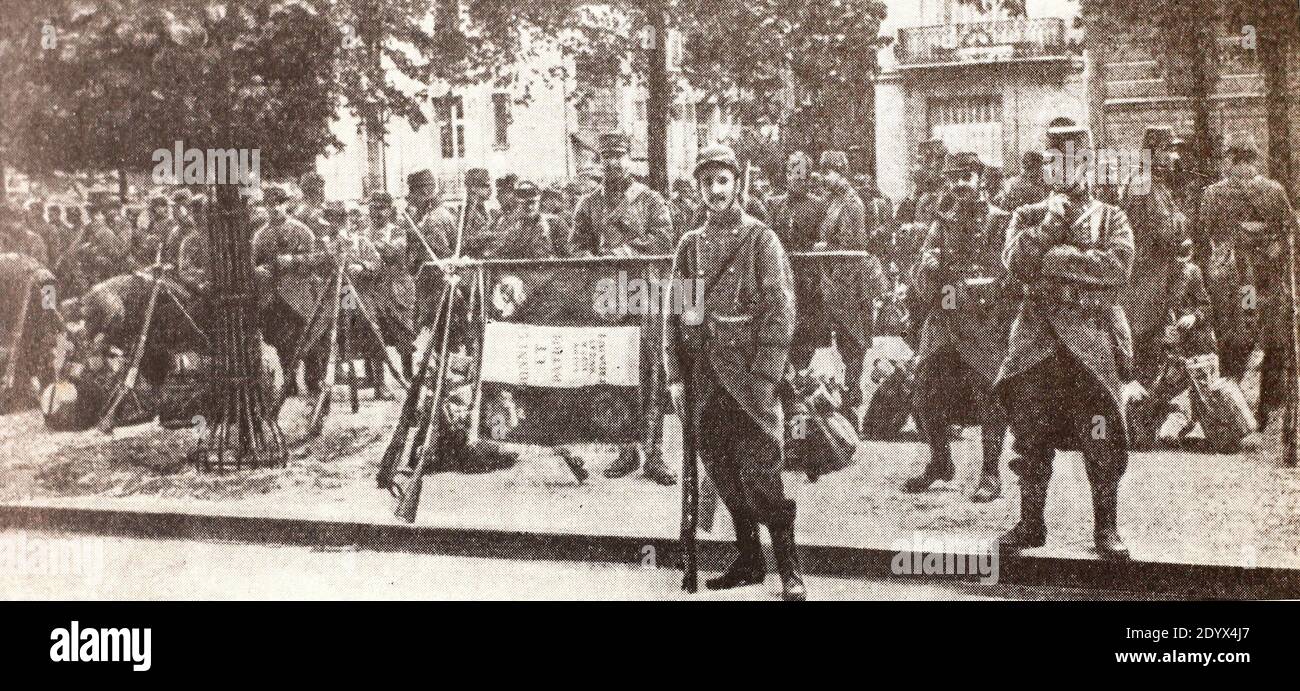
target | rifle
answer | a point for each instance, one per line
(317, 420)
(409, 502)
(1291, 421)
(398, 441)
(690, 492)
(11, 366)
(127, 383)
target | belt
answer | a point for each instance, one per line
(1074, 295)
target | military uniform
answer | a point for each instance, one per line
(1247, 221)
(528, 235)
(850, 289)
(285, 254)
(733, 356)
(1068, 356)
(797, 219)
(964, 337)
(394, 288)
(625, 216)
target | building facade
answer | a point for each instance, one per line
(539, 125)
(982, 81)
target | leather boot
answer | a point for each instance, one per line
(939, 468)
(749, 567)
(629, 459)
(1105, 522)
(1031, 530)
(787, 563)
(657, 472)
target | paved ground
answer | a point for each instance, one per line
(141, 569)
(1174, 506)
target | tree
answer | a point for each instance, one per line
(798, 59)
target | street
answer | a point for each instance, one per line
(143, 569)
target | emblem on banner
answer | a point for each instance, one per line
(507, 294)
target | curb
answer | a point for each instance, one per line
(1136, 578)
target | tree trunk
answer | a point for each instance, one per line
(1273, 47)
(1202, 83)
(658, 99)
(122, 186)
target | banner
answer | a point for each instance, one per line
(570, 347)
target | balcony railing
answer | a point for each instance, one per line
(1000, 41)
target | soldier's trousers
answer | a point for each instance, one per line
(945, 373)
(1059, 404)
(743, 462)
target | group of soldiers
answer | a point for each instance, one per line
(1031, 303)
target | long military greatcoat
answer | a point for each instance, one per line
(1074, 270)
(747, 356)
(979, 318)
(297, 285)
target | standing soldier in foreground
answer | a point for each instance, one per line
(736, 350)
(395, 291)
(1247, 216)
(1070, 346)
(626, 218)
(964, 339)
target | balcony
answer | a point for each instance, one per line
(1010, 40)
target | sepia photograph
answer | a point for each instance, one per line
(650, 300)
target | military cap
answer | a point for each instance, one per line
(335, 212)
(157, 200)
(275, 196)
(477, 177)
(526, 190)
(1156, 137)
(420, 180)
(1032, 157)
(311, 180)
(591, 170)
(837, 161)
(182, 196)
(614, 142)
(380, 199)
(507, 181)
(682, 185)
(716, 155)
(1241, 143)
(554, 189)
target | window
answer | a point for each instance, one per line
(450, 111)
(501, 118)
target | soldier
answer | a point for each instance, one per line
(430, 226)
(623, 217)
(850, 288)
(555, 204)
(478, 215)
(748, 299)
(626, 218)
(590, 179)
(395, 291)
(1028, 187)
(1062, 378)
(1159, 228)
(797, 219)
(532, 234)
(685, 206)
(16, 236)
(964, 337)
(310, 210)
(284, 254)
(103, 254)
(507, 205)
(155, 232)
(1246, 217)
